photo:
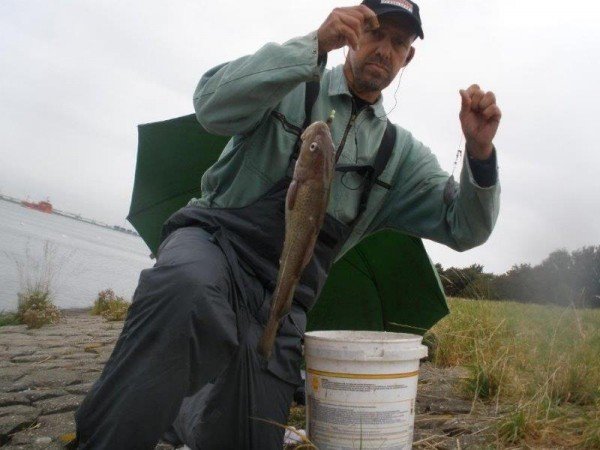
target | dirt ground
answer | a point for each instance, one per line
(45, 373)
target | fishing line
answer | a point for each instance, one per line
(386, 114)
(357, 127)
(459, 153)
(451, 187)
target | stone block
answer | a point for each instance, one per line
(35, 395)
(52, 427)
(56, 405)
(13, 398)
(49, 378)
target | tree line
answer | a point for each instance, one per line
(563, 278)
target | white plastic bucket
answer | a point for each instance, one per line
(361, 388)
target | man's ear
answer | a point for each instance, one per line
(410, 56)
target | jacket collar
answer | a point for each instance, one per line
(339, 86)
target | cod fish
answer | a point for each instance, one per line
(305, 208)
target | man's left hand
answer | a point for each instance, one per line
(479, 118)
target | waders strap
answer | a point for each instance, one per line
(381, 159)
(310, 97)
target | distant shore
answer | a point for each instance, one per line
(74, 216)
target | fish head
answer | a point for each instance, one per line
(317, 149)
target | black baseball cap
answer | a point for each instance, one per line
(405, 7)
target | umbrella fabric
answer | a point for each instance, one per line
(172, 156)
(386, 282)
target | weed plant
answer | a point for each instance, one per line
(36, 277)
(110, 306)
(36, 309)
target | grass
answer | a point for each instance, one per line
(535, 368)
(8, 318)
(36, 308)
(542, 363)
(36, 274)
(110, 306)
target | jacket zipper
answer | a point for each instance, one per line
(290, 128)
(346, 131)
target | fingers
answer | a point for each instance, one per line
(477, 100)
(350, 35)
(358, 18)
(352, 21)
(345, 26)
(488, 99)
(492, 113)
(465, 101)
(369, 18)
(476, 96)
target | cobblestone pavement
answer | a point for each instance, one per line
(45, 373)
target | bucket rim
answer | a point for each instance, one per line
(363, 337)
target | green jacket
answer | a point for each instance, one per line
(259, 100)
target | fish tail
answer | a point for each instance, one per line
(267, 340)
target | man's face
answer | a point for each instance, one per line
(381, 54)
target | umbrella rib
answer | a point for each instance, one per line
(359, 269)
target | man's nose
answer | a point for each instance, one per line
(384, 49)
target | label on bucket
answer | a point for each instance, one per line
(368, 411)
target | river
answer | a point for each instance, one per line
(78, 258)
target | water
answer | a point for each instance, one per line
(85, 258)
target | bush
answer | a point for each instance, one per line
(37, 272)
(110, 306)
(116, 310)
(8, 318)
(37, 309)
(101, 302)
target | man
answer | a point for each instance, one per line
(189, 344)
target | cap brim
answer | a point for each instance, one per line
(389, 10)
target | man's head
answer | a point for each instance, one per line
(382, 52)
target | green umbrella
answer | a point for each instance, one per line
(172, 156)
(386, 282)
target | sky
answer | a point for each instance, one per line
(76, 77)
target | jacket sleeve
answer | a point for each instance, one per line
(416, 204)
(234, 97)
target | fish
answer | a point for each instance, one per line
(305, 207)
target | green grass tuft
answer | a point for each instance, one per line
(543, 359)
(36, 309)
(8, 318)
(110, 306)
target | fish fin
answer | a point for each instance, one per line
(308, 253)
(291, 195)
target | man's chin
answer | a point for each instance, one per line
(372, 83)
(375, 77)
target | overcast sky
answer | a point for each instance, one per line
(76, 77)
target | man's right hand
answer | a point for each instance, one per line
(344, 27)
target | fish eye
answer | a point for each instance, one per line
(313, 146)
